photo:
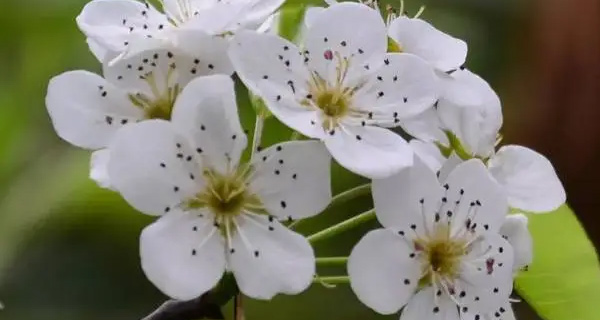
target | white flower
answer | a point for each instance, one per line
(218, 215)
(128, 26)
(470, 111)
(87, 110)
(440, 247)
(341, 87)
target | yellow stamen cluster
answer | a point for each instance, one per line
(160, 105)
(333, 99)
(226, 196)
(441, 255)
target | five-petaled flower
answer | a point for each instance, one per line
(218, 214)
(125, 27)
(440, 254)
(87, 110)
(342, 87)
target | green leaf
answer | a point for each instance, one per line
(290, 22)
(563, 282)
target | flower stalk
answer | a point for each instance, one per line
(341, 198)
(332, 280)
(342, 226)
(332, 261)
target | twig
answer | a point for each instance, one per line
(199, 308)
(207, 306)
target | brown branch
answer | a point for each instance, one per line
(207, 306)
(198, 308)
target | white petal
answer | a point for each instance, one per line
(260, 58)
(268, 261)
(110, 22)
(425, 126)
(419, 37)
(529, 179)
(403, 87)
(311, 15)
(429, 153)
(382, 274)
(99, 168)
(154, 72)
(504, 312)
(183, 255)
(86, 110)
(475, 122)
(153, 166)
(206, 111)
(517, 234)
(449, 165)
(426, 305)
(97, 50)
(486, 276)
(221, 17)
(259, 10)
(398, 198)
(274, 69)
(369, 151)
(335, 31)
(293, 179)
(474, 199)
(208, 54)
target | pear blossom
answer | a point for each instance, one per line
(341, 86)
(128, 26)
(87, 109)
(219, 215)
(469, 128)
(440, 254)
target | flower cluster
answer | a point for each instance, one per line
(164, 127)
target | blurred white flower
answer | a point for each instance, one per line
(342, 87)
(87, 110)
(219, 215)
(126, 27)
(440, 254)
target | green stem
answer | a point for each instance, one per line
(332, 280)
(332, 261)
(349, 195)
(341, 198)
(258, 130)
(343, 226)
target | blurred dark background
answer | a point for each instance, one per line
(69, 250)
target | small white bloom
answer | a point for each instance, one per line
(218, 215)
(440, 247)
(87, 110)
(471, 111)
(128, 26)
(341, 87)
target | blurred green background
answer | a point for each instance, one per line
(69, 250)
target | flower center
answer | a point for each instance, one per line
(333, 98)
(226, 195)
(332, 103)
(159, 104)
(441, 255)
